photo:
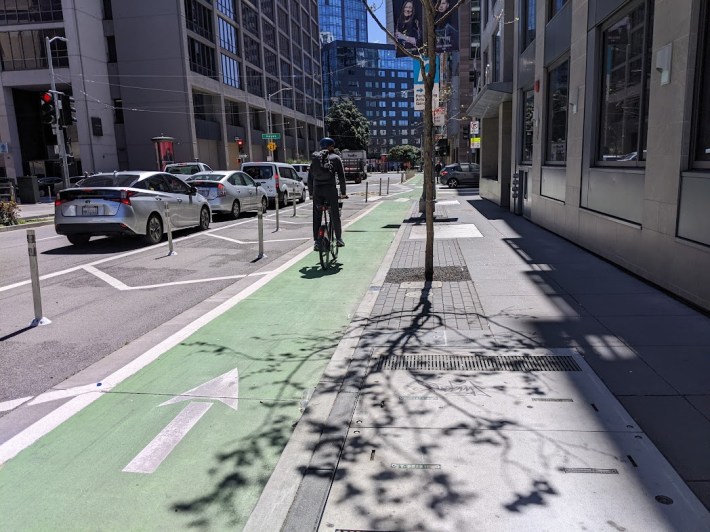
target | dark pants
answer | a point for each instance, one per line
(326, 193)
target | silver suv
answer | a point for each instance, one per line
(280, 180)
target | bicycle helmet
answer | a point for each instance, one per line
(326, 142)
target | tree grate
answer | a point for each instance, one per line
(477, 363)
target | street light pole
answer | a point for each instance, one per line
(269, 118)
(57, 107)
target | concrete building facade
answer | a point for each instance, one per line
(202, 72)
(595, 121)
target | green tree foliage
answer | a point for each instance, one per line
(405, 153)
(347, 126)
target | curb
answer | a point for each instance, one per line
(42, 220)
(283, 489)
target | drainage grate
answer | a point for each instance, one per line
(589, 470)
(551, 400)
(477, 363)
(441, 273)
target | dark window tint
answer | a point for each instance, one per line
(110, 180)
(702, 139)
(626, 71)
(527, 130)
(555, 6)
(247, 179)
(557, 113)
(156, 183)
(259, 172)
(24, 12)
(176, 185)
(528, 22)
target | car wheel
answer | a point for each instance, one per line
(358, 180)
(236, 209)
(283, 197)
(153, 230)
(79, 240)
(205, 219)
(303, 196)
(264, 204)
(453, 182)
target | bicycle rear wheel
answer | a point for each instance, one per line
(324, 243)
(333, 244)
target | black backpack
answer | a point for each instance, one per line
(321, 166)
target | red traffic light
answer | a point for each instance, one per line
(47, 97)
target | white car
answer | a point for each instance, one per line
(230, 191)
(280, 180)
(129, 203)
(302, 170)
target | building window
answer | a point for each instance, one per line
(527, 129)
(557, 89)
(250, 20)
(254, 82)
(230, 72)
(26, 50)
(202, 58)
(496, 57)
(198, 18)
(252, 51)
(555, 6)
(14, 12)
(226, 7)
(267, 9)
(118, 111)
(528, 22)
(231, 113)
(702, 133)
(108, 10)
(626, 72)
(228, 37)
(111, 48)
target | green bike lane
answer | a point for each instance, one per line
(83, 474)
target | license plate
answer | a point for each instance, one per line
(92, 210)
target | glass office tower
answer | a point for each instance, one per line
(342, 20)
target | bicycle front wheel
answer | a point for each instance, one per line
(333, 245)
(324, 250)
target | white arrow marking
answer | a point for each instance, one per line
(224, 388)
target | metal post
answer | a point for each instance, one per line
(261, 233)
(57, 106)
(278, 206)
(293, 200)
(367, 183)
(34, 275)
(388, 185)
(380, 186)
(169, 227)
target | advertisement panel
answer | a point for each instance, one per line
(406, 21)
(446, 29)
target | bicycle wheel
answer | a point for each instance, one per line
(324, 244)
(333, 244)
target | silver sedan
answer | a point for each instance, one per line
(230, 191)
(129, 203)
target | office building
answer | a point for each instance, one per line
(380, 84)
(594, 124)
(342, 20)
(202, 72)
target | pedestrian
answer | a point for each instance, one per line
(325, 166)
(437, 168)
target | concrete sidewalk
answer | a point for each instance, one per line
(33, 215)
(530, 386)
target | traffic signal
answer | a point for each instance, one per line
(240, 143)
(68, 114)
(48, 116)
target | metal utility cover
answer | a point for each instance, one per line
(514, 400)
(496, 479)
(418, 232)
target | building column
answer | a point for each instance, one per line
(505, 128)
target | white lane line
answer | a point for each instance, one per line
(148, 460)
(234, 240)
(43, 426)
(118, 285)
(54, 395)
(49, 238)
(34, 432)
(14, 403)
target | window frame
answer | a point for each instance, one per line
(548, 110)
(702, 87)
(525, 92)
(525, 30)
(598, 157)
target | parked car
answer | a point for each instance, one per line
(230, 191)
(185, 169)
(302, 170)
(280, 180)
(128, 203)
(457, 174)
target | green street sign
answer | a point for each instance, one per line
(271, 136)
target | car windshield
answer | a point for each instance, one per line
(206, 177)
(182, 170)
(259, 172)
(110, 180)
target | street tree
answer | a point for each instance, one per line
(426, 55)
(347, 126)
(405, 153)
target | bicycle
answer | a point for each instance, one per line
(327, 246)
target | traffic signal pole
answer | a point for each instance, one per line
(57, 111)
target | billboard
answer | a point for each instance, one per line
(406, 21)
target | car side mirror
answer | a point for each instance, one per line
(193, 190)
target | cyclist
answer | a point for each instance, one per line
(326, 165)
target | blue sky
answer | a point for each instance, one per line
(374, 33)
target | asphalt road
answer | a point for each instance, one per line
(105, 295)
